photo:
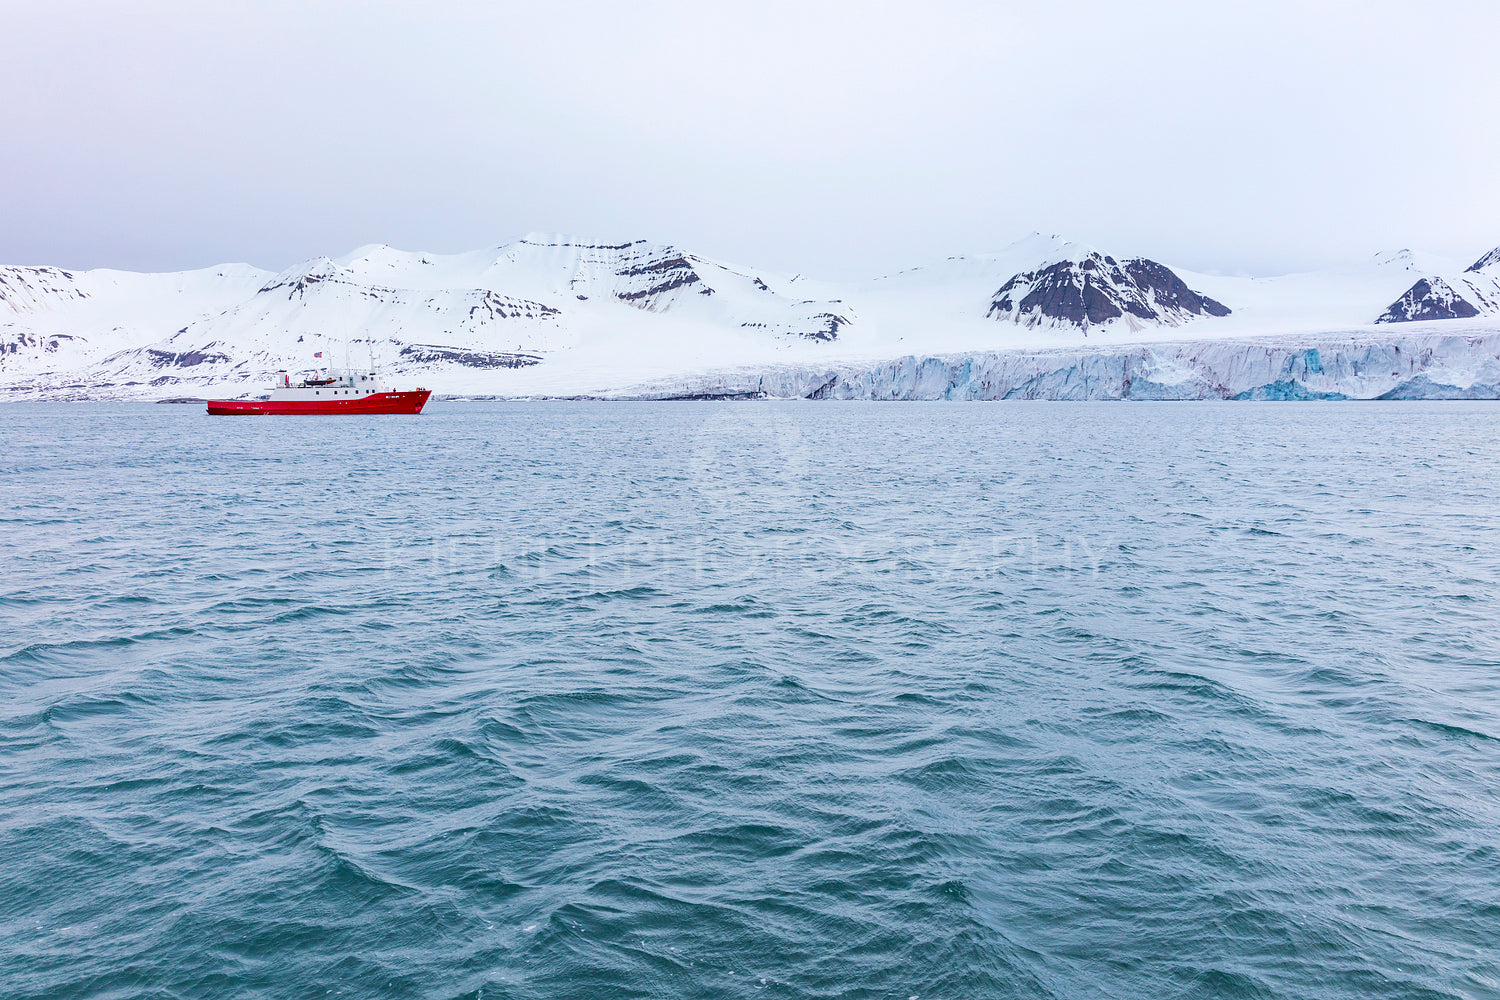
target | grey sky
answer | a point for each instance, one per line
(838, 139)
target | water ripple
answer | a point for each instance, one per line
(781, 701)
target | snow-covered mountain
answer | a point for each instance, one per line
(552, 315)
(1090, 289)
(1043, 283)
(1475, 292)
(570, 305)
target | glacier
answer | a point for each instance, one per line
(1419, 366)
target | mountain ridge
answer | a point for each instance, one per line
(548, 312)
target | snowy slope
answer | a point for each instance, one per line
(1312, 301)
(53, 319)
(552, 315)
(654, 278)
(952, 305)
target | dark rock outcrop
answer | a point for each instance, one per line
(655, 278)
(185, 359)
(1488, 260)
(32, 343)
(469, 359)
(818, 326)
(29, 289)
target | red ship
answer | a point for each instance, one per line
(350, 392)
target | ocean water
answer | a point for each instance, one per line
(751, 700)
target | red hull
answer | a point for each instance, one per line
(379, 402)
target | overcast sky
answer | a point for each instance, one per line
(835, 139)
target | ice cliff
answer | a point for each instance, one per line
(1422, 366)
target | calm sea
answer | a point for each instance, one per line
(751, 700)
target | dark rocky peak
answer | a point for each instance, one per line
(298, 279)
(1488, 260)
(1429, 298)
(1094, 288)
